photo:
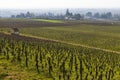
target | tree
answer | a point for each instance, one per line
(103, 15)
(22, 15)
(12, 16)
(18, 16)
(77, 16)
(97, 15)
(89, 14)
(28, 14)
(67, 12)
(109, 15)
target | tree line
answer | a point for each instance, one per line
(69, 15)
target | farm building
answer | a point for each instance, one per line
(15, 31)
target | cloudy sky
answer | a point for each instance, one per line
(37, 4)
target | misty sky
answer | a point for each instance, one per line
(37, 4)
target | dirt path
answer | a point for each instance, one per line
(91, 47)
(64, 42)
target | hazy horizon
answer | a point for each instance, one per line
(9, 12)
(50, 4)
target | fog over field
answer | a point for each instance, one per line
(13, 7)
(9, 12)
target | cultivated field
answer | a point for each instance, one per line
(103, 34)
(60, 50)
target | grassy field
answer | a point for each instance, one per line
(45, 20)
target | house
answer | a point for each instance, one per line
(69, 18)
(15, 31)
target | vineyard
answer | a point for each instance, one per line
(55, 61)
(106, 37)
(98, 34)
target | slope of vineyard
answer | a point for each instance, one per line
(26, 58)
(100, 34)
(106, 37)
